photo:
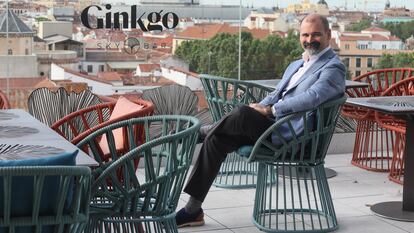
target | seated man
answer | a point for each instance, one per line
(316, 78)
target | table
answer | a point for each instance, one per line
(23, 136)
(403, 107)
(355, 84)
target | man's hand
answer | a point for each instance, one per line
(264, 110)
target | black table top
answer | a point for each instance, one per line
(389, 104)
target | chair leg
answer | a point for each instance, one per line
(397, 165)
(373, 147)
(286, 204)
(235, 172)
(163, 224)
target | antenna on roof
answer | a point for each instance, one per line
(7, 42)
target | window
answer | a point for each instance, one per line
(10, 52)
(362, 46)
(26, 51)
(358, 62)
(80, 67)
(384, 46)
(357, 73)
(90, 68)
(101, 68)
(369, 62)
(65, 47)
(346, 46)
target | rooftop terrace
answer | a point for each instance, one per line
(353, 191)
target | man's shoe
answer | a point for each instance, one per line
(185, 219)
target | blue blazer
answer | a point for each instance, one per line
(323, 81)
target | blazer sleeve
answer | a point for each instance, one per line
(330, 84)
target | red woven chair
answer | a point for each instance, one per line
(4, 102)
(372, 143)
(77, 125)
(403, 87)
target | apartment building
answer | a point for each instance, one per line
(360, 51)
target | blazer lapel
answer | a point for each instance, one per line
(315, 67)
(289, 75)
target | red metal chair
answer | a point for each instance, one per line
(4, 102)
(372, 143)
(403, 87)
(77, 125)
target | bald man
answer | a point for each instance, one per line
(308, 82)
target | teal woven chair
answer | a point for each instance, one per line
(44, 199)
(130, 199)
(285, 204)
(222, 94)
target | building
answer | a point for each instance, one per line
(51, 28)
(190, 9)
(59, 42)
(305, 7)
(261, 18)
(208, 31)
(360, 51)
(396, 15)
(16, 43)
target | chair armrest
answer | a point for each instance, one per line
(264, 143)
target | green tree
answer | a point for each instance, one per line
(401, 30)
(395, 61)
(361, 25)
(261, 59)
(41, 18)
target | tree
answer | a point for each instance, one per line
(401, 30)
(261, 59)
(41, 18)
(361, 25)
(395, 61)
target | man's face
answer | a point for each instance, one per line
(313, 36)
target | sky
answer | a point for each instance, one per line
(371, 4)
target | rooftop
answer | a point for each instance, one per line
(208, 31)
(354, 190)
(14, 26)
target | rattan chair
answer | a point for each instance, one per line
(286, 204)
(373, 144)
(58, 199)
(125, 199)
(4, 102)
(48, 106)
(77, 125)
(222, 94)
(397, 125)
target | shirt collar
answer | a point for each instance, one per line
(315, 56)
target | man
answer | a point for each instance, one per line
(316, 78)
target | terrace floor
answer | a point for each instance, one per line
(353, 191)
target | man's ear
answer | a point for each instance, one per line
(329, 33)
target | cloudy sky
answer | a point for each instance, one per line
(359, 4)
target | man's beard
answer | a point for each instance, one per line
(312, 48)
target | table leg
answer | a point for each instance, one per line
(397, 210)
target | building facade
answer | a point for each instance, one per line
(361, 51)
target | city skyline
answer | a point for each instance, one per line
(351, 4)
